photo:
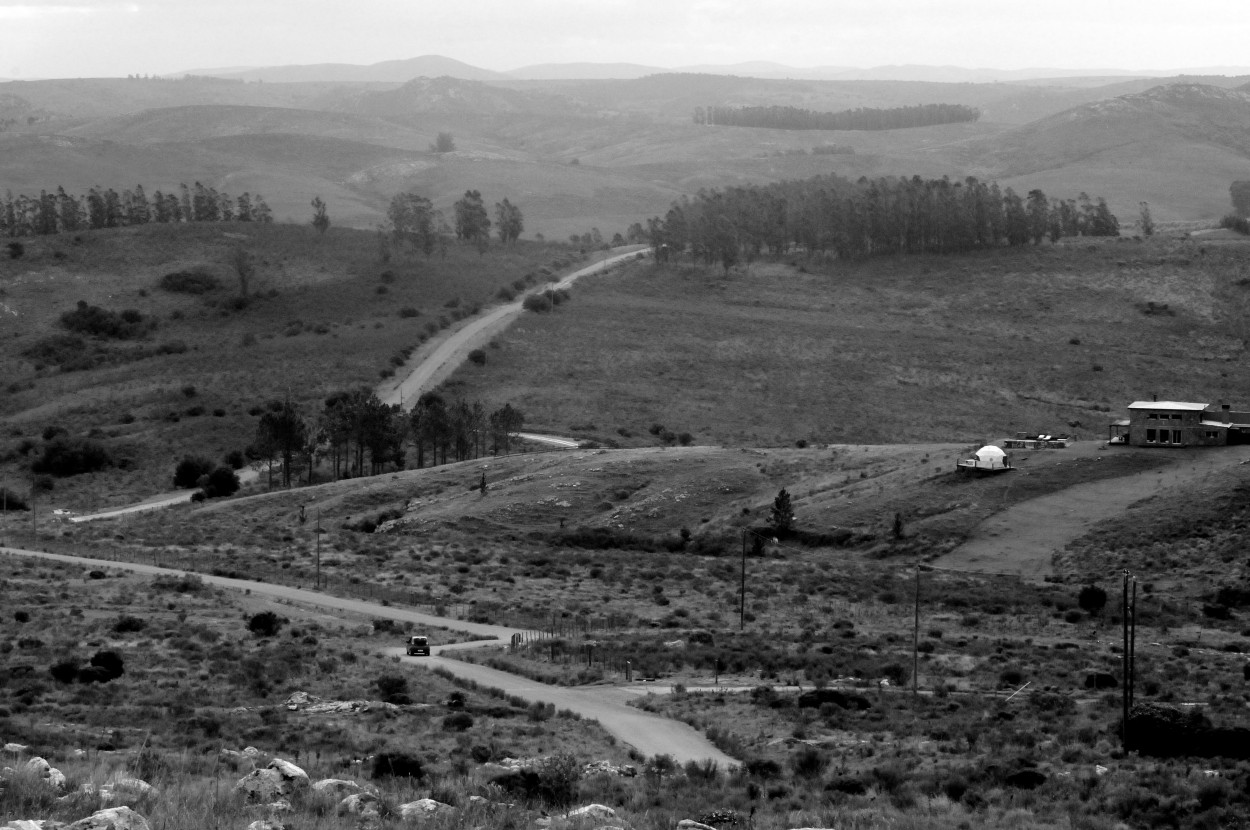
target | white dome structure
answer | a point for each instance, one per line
(988, 459)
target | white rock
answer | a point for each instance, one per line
(252, 752)
(266, 824)
(114, 818)
(50, 774)
(592, 811)
(16, 749)
(338, 786)
(263, 785)
(422, 807)
(24, 824)
(691, 824)
(359, 804)
(1099, 769)
(289, 772)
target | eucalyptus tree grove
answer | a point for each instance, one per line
(852, 219)
(60, 212)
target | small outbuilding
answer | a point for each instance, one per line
(988, 459)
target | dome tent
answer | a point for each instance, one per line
(988, 459)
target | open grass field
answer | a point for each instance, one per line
(956, 349)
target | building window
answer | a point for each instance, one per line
(1176, 416)
(1150, 417)
(1176, 436)
(1150, 436)
(1212, 434)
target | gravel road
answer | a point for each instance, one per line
(649, 734)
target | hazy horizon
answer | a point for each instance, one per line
(116, 38)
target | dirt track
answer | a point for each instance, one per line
(429, 368)
(648, 733)
(1023, 539)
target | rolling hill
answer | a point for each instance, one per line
(1176, 146)
(427, 66)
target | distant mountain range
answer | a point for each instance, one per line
(433, 66)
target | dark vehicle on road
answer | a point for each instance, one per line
(418, 645)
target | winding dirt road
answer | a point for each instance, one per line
(649, 734)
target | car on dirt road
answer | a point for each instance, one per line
(418, 646)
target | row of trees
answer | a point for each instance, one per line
(851, 219)
(863, 118)
(360, 435)
(60, 212)
(413, 221)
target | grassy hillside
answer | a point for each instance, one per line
(1176, 147)
(963, 348)
(323, 315)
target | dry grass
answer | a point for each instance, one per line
(322, 319)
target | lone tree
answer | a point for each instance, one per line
(782, 515)
(508, 221)
(241, 260)
(321, 219)
(472, 222)
(1145, 220)
(443, 143)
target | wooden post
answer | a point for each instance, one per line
(1124, 661)
(915, 639)
(1132, 649)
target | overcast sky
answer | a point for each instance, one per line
(87, 38)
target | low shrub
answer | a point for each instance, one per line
(397, 765)
(190, 282)
(127, 623)
(538, 303)
(265, 624)
(190, 470)
(72, 456)
(221, 482)
(10, 500)
(478, 357)
(95, 321)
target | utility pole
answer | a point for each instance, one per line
(317, 533)
(742, 588)
(1132, 648)
(915, 638)
(1124, 659)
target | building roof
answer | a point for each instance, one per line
(1181, 405)
(1220, 424)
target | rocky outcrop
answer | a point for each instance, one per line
(279, 778)
(365, 805)
(122, 789)
(339, 787)
(423, 807)
(592, 811)
(313, 705)
(113, 818)
(40, 768)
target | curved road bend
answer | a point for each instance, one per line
(649, 734)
